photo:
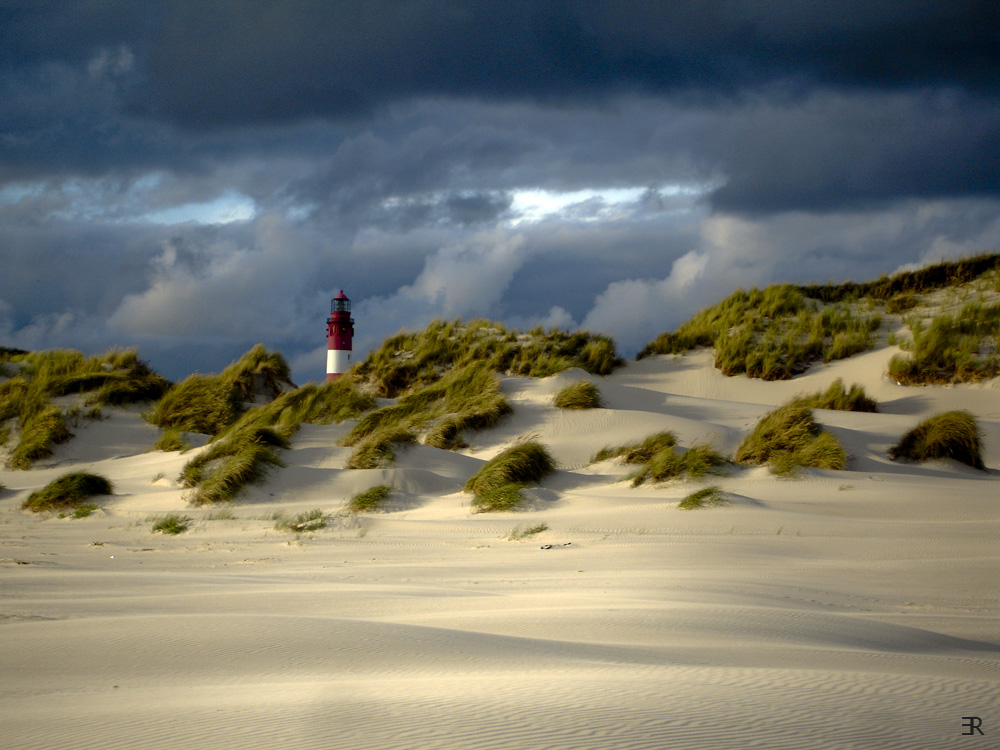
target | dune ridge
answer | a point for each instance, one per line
(838, 609)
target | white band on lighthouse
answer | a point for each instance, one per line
(337, 361)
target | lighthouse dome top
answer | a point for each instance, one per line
(340, 303)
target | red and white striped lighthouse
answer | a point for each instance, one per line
(339, 335)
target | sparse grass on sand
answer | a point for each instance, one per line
(580, 394)
(658, 461)
(172, 523)
(69, 491)
(706, 497)
(312, 520)
(836, 397)
(952, 434)
(789, 438)
(370, 499)
(497, 485)
(521, 533)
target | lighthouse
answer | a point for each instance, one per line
(339, 334)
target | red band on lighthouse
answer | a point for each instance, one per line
(339, 336)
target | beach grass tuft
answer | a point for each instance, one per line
(522, 464)
(172, 524)
(68, 491)
(580, 394)
(171, 440)
(706, 497)
(838, 398)
(370, 499)
(953, 434)
(788, 438)
(506, 497)
(520, 533)
(658, 461)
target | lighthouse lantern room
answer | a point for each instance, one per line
(339, 336)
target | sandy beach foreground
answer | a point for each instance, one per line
(842, 609)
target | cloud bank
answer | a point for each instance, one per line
(196, 177)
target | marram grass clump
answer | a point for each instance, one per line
(466, 398)
(408, 361)
(68, 492)
(209, 404)
(952, 434)
(224, 469)
(171, 524)
(497, 485)
(789, 438)
(706, 497)
(116, 377)
(171, 440)
(838, 398)
(370, 499)
(952, 350)
(658, 461)
(507, 497)
(580, 394)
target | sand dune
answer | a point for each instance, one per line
(842, 609)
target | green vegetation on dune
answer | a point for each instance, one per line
(658, 461)
(68, 491)
(579, 394)
(707, 497)
(959, 349)
(171, 440)
(952, 434)
(26, 398)
(370, 499)
(774, 333)
(171, 524)
(789, 438)
(497, 485)
(927, 279)
(227, 466)
(778, 332)
(466, 398)
(838, 398)
(210, 403)
(245, 450)
(408, 361)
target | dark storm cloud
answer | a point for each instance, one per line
(834, 152)
(234, 62)
(91, 87)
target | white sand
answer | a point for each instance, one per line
(843, 609)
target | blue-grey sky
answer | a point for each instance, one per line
(194, 177)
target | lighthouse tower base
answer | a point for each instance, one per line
(338, 361)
